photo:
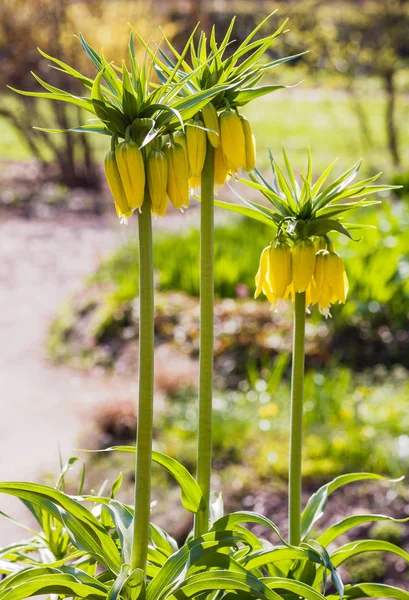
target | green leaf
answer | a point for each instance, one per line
(277, 554)
(374, 590)
(123, 519)
(45, 580)
(321, 180)
(298, 588)
(119, 583)
(244, 211)
(83, 527)
(276, 200)
(334, 531)
(190, 553)
(249, 94)
(101, 129)
(222, 580)
(233, 519)
(337, 186)
(86, 81)
(162, 540)
(340, 555)
(129, 100)
(81, 102)
(322, 226)
(318, 501)
(337, 209)
(190, 491)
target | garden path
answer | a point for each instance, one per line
(43, 407)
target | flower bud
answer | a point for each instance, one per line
(196, 147)
(250, 145)
(280, 269)
(303, 264)
(221, 168)
(178, 175)
(211, 121)
(132, 171)
(115, 185)
(157, 175)
(232, 139)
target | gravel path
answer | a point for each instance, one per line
(44, 407)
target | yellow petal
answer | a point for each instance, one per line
(262, 273)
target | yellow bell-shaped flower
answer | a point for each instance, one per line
(250, 144)
(330, 282)
(211, 121)
(131, 168)
(196, 147)
(232, 139)
(262, 278)
(177, 186)
(303, 264)
(221, 168)
(115, 185)
(280, 269)
(157, 175)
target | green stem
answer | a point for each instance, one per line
(297, 392)
(204, 450)
(145, 402)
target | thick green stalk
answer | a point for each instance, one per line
(204, 449)
(145, 402)
(297, 392)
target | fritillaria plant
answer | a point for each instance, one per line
(300, 263)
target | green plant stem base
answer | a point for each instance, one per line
(297, 392)
(204, 451)
(145, 400)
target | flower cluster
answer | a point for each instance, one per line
(307, 266)
(166, 169)
(302, 257)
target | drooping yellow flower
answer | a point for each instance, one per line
(196, 147)
(211, 121)
(194, 182)
(132, 171)
(280, 269)
(115, 185)
(178, 185)
(232, 139)
(221, 168)
(180, 138)
(336, 276)
(330, 282)
(262, 278)
(157, 175)
(303, 264)
(250, 144)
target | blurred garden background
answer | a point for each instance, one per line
(69, 282)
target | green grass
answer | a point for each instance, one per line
(324, 120)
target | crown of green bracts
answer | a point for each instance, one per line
(301, 258)
(210, 66)
(117, 97)
(307, 208)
